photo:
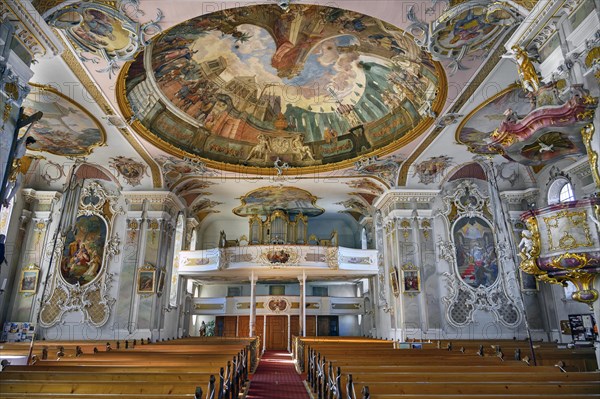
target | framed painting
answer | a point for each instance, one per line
(411, 281)
(83, 251)
(146, 281)
(29, 280)
(394, 282)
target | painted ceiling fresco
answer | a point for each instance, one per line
(291, 200)
(476, 129)
(66, 129)
(310, 87)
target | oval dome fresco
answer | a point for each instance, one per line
(315, 87)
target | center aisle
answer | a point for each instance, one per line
(276, 378)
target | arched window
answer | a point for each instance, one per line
(561, 190)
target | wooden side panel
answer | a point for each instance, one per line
(311, 326)
(243, 326)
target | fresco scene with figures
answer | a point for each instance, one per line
(67, 128)
(311, 86)
(285, 200)
(83, 251)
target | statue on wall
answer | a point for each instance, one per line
(527, 72)
(526, 244)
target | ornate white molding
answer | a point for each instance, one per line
(31, 29)
(535, 28)
(515, 197)
(166, 198)
(42, 197)
(405, 196)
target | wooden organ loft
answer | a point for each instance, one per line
(280, 228)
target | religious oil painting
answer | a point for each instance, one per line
(315, 85)
(83, 252)
(146, 281)
(265, 200)
(29, 280)
(410, 281)
(66, 129)
(475, 251)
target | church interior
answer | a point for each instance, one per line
(399, 187)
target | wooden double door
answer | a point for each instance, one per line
(275, 335)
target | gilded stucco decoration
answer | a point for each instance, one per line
(245, 87)
(562, 244)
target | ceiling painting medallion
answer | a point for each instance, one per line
(316, 87)
(105, 32)
(132, 171)
(266, 200)
(465, 29)
(66, 128)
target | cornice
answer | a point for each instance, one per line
(154, 197)
(31, 29)
(535, 29)
(580, 169)
(42, 197)
(516, 196)
(395, 196)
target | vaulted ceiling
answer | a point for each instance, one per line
(214, 100)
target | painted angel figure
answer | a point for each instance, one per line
(526, 244)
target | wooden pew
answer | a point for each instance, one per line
(387, 373)
(174, 369)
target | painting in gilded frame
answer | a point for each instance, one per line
(394, 283)
(410, 281)
(66, 129)
(146, 281)
(29, 280)
(83, 251)
(475, 251)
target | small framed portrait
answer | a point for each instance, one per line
(29, 280)
(528, 282)
(146, 281)
(410, 279)
(394, 282)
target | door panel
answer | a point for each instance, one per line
(243, 326)
(229, 325)
(276, 333)
(311, 326)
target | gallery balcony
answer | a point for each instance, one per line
(278, 261)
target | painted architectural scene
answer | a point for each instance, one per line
(312, 86)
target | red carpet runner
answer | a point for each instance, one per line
(276, 378)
